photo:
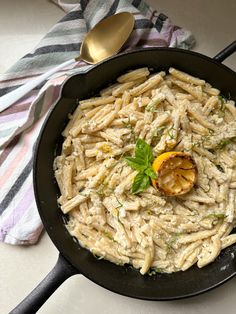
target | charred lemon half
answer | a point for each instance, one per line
(176, 173)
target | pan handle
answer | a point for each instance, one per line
(32, 303)
(226, 52)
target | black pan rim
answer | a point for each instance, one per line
(138, 50)
(168, 49)
(60, 248)
(163, 299)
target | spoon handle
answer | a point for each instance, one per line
(10, 98)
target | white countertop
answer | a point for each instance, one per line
(22, 24)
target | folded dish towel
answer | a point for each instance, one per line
(20, 124)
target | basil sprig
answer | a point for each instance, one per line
(142, 162)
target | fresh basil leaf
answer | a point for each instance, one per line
(142, 163)
(141, 183)
(149, 157)
(143, 151)
(150, 172)
(139, 150)
(136, 163)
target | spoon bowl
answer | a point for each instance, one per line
(103, 41)
(106, 38)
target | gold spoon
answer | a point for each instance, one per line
(103, 41)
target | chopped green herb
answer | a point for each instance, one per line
(154, 271)
(128, 125)
(158, 132)
(120, 204)
(151, 107)
(222, 99)
(172, 240)
(219, 216)
(111, 190)
(221, 111)
(170, 132)
(118, 218)
(169, 244)
(205, 140)
(156, 100)
(223, 143)
(101, 190)
(133, 135)
(113, 165)
(196, 144)
(121, 169)
(108, 235)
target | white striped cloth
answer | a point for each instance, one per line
(20, 124)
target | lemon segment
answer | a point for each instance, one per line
(176, 173)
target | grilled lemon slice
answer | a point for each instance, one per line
(176, 173)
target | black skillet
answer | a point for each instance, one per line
(73, 259)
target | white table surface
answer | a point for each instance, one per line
(22, 24)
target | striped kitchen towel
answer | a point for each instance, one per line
(20, 124)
